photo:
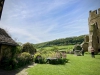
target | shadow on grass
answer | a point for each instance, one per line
(13, 72)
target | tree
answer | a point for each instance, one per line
(62, 42)
(28, 47)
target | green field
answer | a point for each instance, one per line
(67, 47)
(77, 65)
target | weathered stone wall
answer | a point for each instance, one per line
(86, 38)
(94, 29)
(85, 46)
(85, 43)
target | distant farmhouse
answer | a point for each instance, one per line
(6, 44)
(93, 40)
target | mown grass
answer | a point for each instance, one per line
(77, 65)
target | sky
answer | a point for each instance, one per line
(38, 21)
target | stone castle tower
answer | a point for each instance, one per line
(94, 30)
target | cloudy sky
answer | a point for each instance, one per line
(39, 21)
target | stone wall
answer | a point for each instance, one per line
(94, 29)
(85, 43)
(85, 46)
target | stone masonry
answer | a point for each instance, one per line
(94, 30)
(93, 39)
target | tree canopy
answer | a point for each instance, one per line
(28, 47)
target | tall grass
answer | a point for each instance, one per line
(77, 65)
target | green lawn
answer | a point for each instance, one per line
(77, 65)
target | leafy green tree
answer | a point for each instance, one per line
(28, 47)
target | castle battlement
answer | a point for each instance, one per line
(94, 30)
(94, 14)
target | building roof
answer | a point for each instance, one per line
(6, 39)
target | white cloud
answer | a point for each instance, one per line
(38, 21)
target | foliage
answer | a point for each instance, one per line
(18, 49)
(28, 47)
(40, 58)
(62, 42)
(77, 47)
(24, 54)
(54, 48)
(8, 60)
(16, 62)
(8, 63)
(58, 61)
(57, 48)
(24, 58)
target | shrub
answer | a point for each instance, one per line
(28, 47)
(55, 57)
(8, 63)
(39, 59)
(58, 61)
(77, 47)
(18, 49)
(8, 60)
(24, 58)
(58, 57)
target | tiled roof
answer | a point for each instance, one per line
(6, 39)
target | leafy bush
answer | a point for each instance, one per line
(8, 60)
(39, 58)
(18, 49)
(8, 64)
(24, 58)
(58, 61)
(77, 47)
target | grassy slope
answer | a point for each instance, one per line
(68, 47)
(78, 65)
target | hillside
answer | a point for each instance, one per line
(62, 42)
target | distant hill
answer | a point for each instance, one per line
(62, 42)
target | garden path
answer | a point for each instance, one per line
(20, 71)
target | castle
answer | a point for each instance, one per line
(93, 40)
